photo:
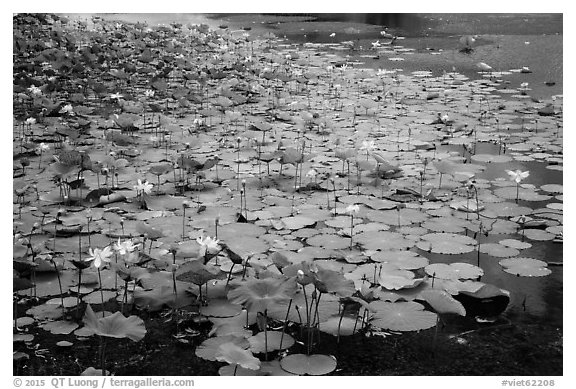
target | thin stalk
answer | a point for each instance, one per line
(59, 283)
(351, 229)
(307, 319)
(285, 323)
(266, 335)
(340, 322)
(101, 291)
(78, 294)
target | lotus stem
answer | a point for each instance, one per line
(235, 369)
(266, 335)
(230, 274)
(316, 314)
(101, 291)
(59, 283)
(348, 174)
(351, 229)
(339, 323)
(78, 294)
(307, 320)
(184, 223)
(285, 323)
(125, 297)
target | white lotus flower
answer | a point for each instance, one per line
(517, 175)
(67, 109)
(99, 256)
(35, 90)
(311, 173)
(125, 247)
(367, 145)
(145, 187)
(208, 245)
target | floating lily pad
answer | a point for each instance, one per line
(64, 343)
(405, 259)
(25, 321)
(45, 312)
(525, 267)
(552, 188)
(220, 308)
(208, 349)
(383, 240)
(526, 194)
(68, 301)
(516, 244)
(454, 271)
(302, 364)
(297, 222)
(22, 338)
(398, 279)
(539, 235)
(96, 297)
(402, 316)
(498, 250)
(237, 370)
(446, 243)
(491, 158)
(271, 339)
(331, 241)
(61, 327)
(340, 326)
(506, 209)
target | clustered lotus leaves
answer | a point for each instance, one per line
(260, 294)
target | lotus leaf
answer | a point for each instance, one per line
(442, 302)
(260, 294)
(115, 325)
(60, 327)
(220, 308)
(314, 364)
(515, 244)
(401, 316)
(209, 348)
(498, 250)
(454, 271)
(405, 259)
(330, 241)
(270, 340)
(538, 235)
(231, 353)
(338, 326)
(525, 267)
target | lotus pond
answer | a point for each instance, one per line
(204, 200)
